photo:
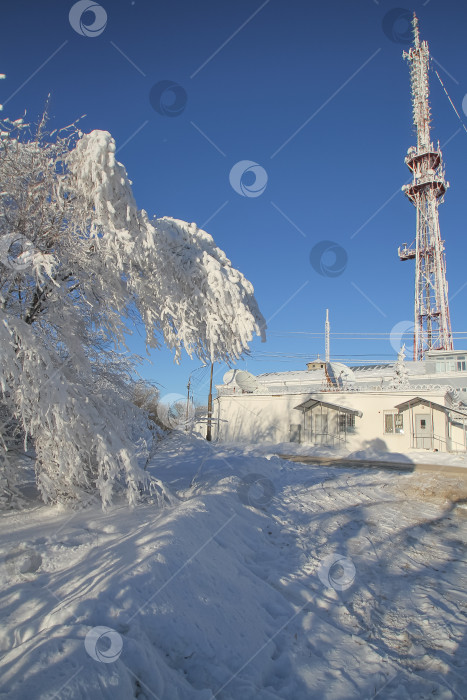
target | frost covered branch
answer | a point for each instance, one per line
(79, 263)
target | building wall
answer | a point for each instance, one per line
(253, 418)
(256, 418)
(457, 436)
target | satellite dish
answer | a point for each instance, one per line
(339, 373)
(346, 373)
(246, 381)
(229, 377)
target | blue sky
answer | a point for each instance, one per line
(316, 94)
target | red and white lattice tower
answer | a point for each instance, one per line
(426, 192)
(327, 329)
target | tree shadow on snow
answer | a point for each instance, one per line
(243, 610)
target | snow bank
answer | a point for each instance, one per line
(234, 591)
(412, 456)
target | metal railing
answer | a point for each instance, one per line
(325, 439)
(289, 389)
(437, 442)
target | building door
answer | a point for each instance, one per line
(320, 435)
(423, 432)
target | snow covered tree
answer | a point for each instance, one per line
(399, 380)
(79, 263)
(146, 396)
(453, 396)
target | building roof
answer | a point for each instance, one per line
(436, 353)
(417, 400)
(362, 373)
(310, 403)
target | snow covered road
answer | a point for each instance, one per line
(263, 579)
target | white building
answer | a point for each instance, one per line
(302, 407)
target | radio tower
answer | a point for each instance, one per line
(426, 192)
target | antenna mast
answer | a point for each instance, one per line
(326, 335)
(426, 192)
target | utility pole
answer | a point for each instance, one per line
(327, 353)
(188, 386)
(208, 432)
(426, 192)
(187, 401)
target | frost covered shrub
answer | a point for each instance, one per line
(78, 263)
(146, 396)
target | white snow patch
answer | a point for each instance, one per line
(221, 594)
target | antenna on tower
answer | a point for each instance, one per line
(426, 192)
(416, 31)
(326, 336)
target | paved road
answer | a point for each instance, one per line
(375, 464)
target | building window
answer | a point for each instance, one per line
(393, 422)
(346, 422)
(446, 364)
(451, 364)
(388, 423)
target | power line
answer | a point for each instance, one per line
(321, 334)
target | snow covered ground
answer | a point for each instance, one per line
(411, 457)
(261, 579)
